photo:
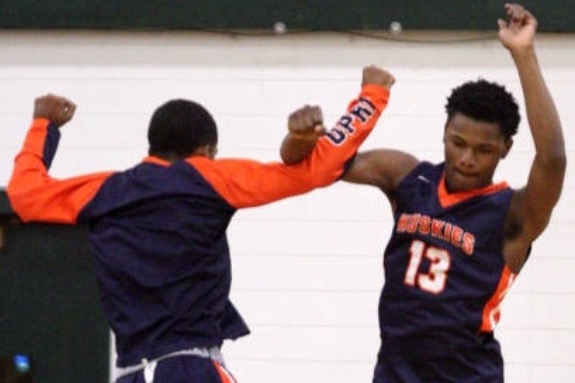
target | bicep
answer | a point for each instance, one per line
(533, 204)
(383, 168)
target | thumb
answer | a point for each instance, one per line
(319, 130)
(502, 24)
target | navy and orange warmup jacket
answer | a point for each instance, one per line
(158, 230)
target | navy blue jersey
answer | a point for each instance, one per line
(445, 276)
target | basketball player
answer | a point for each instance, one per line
(158, 230)
(459, 239)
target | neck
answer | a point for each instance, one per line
(169, 157)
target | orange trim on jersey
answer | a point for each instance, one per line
(156, 160)
(35, 196)
(448, 199)
(491, 311)
(224, 374)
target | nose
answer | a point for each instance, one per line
(467, 158)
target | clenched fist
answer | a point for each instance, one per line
(377, 76)
(306, 123)
(58, 110)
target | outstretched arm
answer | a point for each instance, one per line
(245, 183)
(533, 204)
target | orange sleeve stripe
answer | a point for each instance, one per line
(246, 183)
(35, 196)
(491, 311)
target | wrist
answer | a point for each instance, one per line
(41, 122)
(522, 52)
(303, 137)
(378, 87)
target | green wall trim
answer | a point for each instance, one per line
(335, 15)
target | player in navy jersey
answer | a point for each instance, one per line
(459, 239)
(157, 231)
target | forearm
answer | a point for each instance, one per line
(32, 162)
(542, 114)
(348, 134)
(547, 173)
(295, 148)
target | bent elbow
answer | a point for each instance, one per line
(18, 204)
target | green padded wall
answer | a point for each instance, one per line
(49, 307)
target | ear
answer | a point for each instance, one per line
(508, 145)
(212, 150)
(209, 151)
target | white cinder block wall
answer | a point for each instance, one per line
(307, 271)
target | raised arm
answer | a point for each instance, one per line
(533, 204)
(34, 195)
(301, 138)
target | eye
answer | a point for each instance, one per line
(485, 149)
(458, 143)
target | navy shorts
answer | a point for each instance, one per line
(184, 369)
(440, 360)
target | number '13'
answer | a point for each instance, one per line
(435, 278)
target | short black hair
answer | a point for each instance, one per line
(485, 101)
(179, 127)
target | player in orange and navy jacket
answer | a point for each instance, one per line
(157, 231)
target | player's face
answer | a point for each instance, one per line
(472, 152)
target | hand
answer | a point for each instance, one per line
(377, 76)
(58, 110)
(306, 123)
(518, 32)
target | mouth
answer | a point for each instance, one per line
(465, 174)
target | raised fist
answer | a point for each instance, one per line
(377, 76)
(58, 110)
